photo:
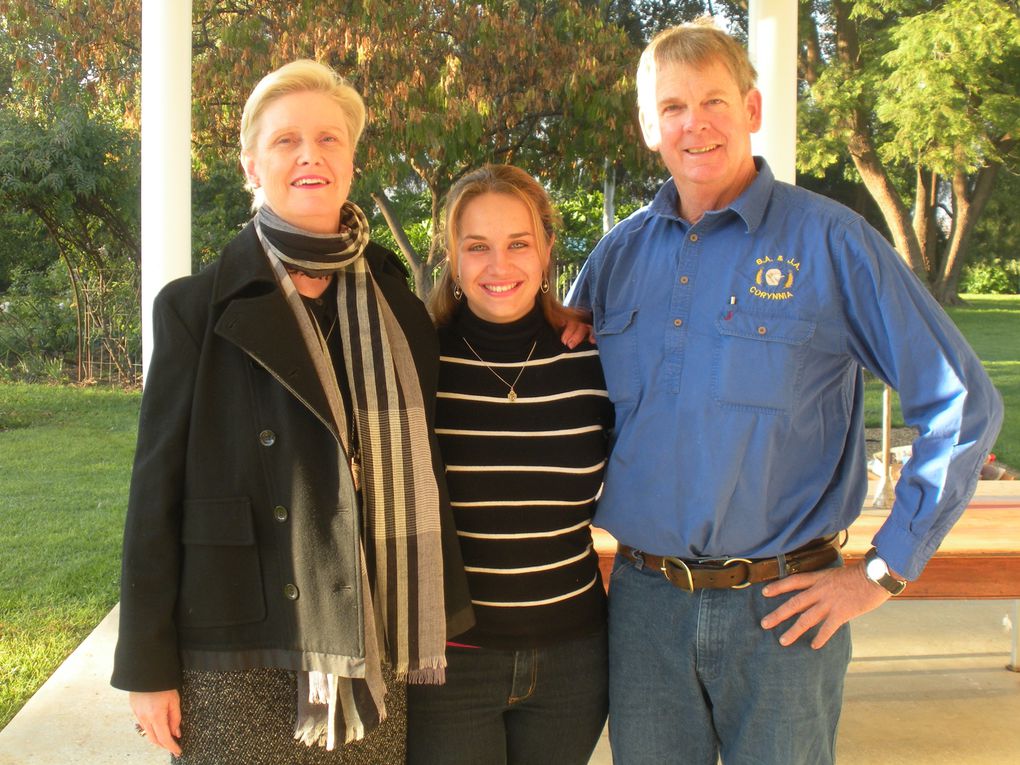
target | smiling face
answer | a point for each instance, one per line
(303, 160)
(500, 261)
(701, 126)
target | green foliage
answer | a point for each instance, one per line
(581, 212)
(37, 325)
(951, 85)
(220, 206)
(66, 454)
(532, 82)
(23, 244)
(919, 101)
(76, 177)
(997, 234)
(80, 52)
(991, 277)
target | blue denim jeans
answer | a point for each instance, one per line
(693, 677)
(530, 707)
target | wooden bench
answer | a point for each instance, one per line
(979, 558)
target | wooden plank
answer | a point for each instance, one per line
(965, 577)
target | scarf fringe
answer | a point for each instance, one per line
(432, 672)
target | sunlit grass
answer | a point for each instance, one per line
(65, 456)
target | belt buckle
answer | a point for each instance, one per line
(687, 583)
(747, 576)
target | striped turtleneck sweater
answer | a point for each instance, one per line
(523, 476)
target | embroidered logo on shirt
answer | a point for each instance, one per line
(775, 277)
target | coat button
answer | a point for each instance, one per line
(762, 330)
(267, 438)
(290, 592)
(280, 513)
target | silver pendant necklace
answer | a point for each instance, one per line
(512, 393)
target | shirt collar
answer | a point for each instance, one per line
(750, 205)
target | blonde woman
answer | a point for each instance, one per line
(284, 546)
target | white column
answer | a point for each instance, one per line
(166, 152)
(772, 44)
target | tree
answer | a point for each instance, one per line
(448, 86)
(923, 96)
(547, 85)
(616, 154)
(79, 177)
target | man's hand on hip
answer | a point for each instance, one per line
(829, 598)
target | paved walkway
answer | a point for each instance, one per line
(927, 685)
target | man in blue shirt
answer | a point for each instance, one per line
(734, 315)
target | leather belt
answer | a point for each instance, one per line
(736, 573)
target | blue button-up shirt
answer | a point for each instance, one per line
(733, 351)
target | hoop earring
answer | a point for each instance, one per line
(545, 285)
(458, 293)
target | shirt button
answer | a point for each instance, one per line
(267, 438)
(290, 592)
(762, 330)
(684, 280)
(677, 322)
(280, 513)
(694, 237)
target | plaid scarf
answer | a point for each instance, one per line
(404, 612)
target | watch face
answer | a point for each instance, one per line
(876, 569)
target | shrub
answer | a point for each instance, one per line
(993, 277)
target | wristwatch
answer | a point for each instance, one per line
(877, 571)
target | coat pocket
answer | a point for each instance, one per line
(221, 578)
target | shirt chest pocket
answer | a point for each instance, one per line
(617, 340)
(759, 361)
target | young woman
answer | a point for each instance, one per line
(286, 510)
(522, 423)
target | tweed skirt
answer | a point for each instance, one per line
(247, 718)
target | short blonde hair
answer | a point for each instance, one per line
(301, 76)
(513, 182)
(696, 44)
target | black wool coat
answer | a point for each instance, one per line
(241, 540)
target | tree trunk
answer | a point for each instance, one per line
(419, 267)
(925, 202)
(866, 158)
(810, 57)
(609, 197)
(895, 213)
(967, 209)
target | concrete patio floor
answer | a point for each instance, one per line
(927, 685)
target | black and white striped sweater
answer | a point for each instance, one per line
(524, 476)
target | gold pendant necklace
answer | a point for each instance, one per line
(512, 394)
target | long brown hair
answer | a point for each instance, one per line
(514, 182)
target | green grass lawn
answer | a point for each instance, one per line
(66, 454)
